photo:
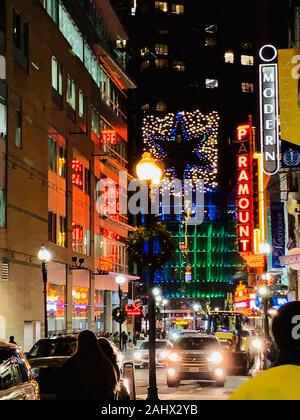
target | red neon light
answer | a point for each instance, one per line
(244, 188)
(77, 173)
(243, 132)
(134, 310)
(109, 136)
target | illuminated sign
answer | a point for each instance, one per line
(244, 188)
(134, 310)
(109, 137)
(77, 173)
(269, 113)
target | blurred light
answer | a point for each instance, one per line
(164, 354)
(156, 291)
(120, 280)
(257, 343)
(219, 372)
(44, 255)
(263, 291)
(173, 357)
(171, 372)
(265, 248)
(216, 357)
(138, 355)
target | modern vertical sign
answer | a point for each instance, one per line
(269, 113)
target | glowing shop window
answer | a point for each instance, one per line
(161, 106)
(229, 57)
(247, 60)
(211, 83)
(162, 6)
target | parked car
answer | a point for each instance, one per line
(196, 357)
(16, 378)
(141, 355)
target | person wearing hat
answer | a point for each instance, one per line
(282, 381)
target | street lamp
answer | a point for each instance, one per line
(164, 303)
(148, 170)
(44, 256)
(120, 280)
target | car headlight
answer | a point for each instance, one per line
(137, 355)
(164, 354)
(174, 357)
(216, 357)
(175, 336)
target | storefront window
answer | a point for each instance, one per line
(56, 307)
(99, 310)
(80, 307)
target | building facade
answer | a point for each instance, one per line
(63, 128)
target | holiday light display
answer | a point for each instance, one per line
(200, 130)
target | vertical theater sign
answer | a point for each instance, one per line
(244, 188)
(269, 112)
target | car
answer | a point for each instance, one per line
(16, 378)
(196, 357)
(141, 355)
(176, 334)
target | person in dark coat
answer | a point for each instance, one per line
(88, 375)
(12, 340)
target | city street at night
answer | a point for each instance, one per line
(149, 201)
(188, 390)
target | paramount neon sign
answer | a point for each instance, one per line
(269, 113)
(244, 188)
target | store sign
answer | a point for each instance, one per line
(290, 155)
(278, 233)
(269, 113)
(109, 137)
(134, 310)
(244, 188)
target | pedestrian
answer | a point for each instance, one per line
(111, 354)
(88, 375)
(129, 338)
(124, 339)
(282, 380)
(12, 340)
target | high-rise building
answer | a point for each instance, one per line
(63, 128)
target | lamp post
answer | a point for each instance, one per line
(120, 280)
(164, 303)
(197, 308)
(148, 171)
(44, 256)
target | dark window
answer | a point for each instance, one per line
(87, 181)
(20, 39)
(52, 155)
(2, 15)
(18, 127)
(52, 224)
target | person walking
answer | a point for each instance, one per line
(282, 380)
(88, 375)
(12, 340)
(124, 339)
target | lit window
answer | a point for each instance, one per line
(95, 122)
(161, 6)
(161, 106)
(247, 60)
(162, 49)
(211, 28)
(229, 57)
(210, 41)
(18, 121)
(145, 107)
(57, 76)
(247, 87)
(52, 154)
(62, 162)
(161, 63)
(211, 83)
(144, 51)
(71, 92)
(121, 43)
(82, 105)
(145, 65)
(179, 65)
(178, 9)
